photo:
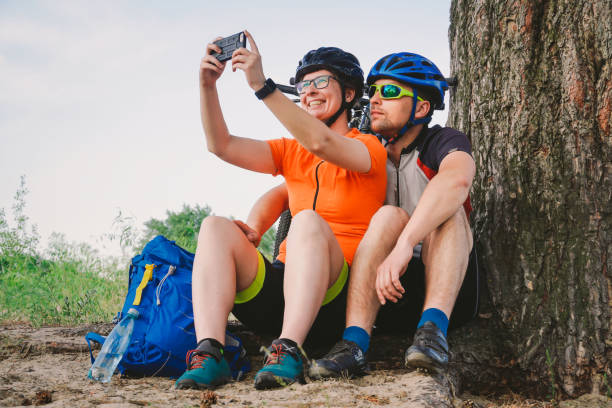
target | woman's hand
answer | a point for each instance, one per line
(388, 285)
(250, 63)
(250, 233)
(210, 67)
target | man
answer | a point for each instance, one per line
(429, 173)
(410, 266)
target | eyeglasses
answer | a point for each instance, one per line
(390, 91)
(319, 82)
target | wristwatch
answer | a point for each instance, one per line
(268, 88)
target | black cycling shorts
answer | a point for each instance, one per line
(403, 316)
(261, 306)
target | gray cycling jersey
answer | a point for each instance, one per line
(419, 163)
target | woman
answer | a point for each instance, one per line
(336, 181)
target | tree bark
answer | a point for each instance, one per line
(534, 94)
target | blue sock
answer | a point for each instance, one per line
(359, 336)
(437, 317)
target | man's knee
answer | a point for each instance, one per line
(459, 222)
(389, 215)
(456, 228)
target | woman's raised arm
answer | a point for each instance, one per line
(247, 153)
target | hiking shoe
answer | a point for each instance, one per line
(345, 359)
(206, 368)
(283, 366)
(429, 349)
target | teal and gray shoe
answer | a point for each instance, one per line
(283, 366)
(206, 367)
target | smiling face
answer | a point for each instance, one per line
(321, 103)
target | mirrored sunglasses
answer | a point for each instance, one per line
(390, 91)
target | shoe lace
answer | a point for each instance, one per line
(196, 358)
(275, 354)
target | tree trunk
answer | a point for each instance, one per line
(534, 94)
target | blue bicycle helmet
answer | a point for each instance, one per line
(414, 70)
(344, 65)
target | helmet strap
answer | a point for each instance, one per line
(412, 121)
(342, 108)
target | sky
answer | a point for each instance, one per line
(99, 102)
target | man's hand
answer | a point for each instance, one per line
(210, 67)
(388, 286)
(250, 233)
(250, 63)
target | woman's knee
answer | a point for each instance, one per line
(215, 227)
(308, 222)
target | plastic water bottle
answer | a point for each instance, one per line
(113, 349)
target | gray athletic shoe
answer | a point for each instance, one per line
(345, 359)
(429, 349)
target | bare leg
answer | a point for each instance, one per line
(314, 261)
(225, 263)
(446, 253)
(380, 238)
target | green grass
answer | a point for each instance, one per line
(45, 292)
(67, 284)
(70, 283)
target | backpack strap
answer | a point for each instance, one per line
(146, 277)
(95, 337)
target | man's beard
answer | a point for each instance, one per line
(384, 127)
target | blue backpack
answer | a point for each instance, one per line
(160, 289)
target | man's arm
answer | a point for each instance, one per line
(444, 194)
(264, 213)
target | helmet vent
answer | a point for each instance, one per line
(414, 70)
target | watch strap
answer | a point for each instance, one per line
(268, 88)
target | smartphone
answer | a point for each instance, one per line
(228, 45)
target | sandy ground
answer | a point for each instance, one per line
(48, 366)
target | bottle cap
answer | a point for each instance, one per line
(133, 312)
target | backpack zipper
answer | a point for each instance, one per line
(171, 270)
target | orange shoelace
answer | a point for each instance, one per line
(197, 361)
(277, 353)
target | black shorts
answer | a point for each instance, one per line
(403, 316)
(261, 306)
